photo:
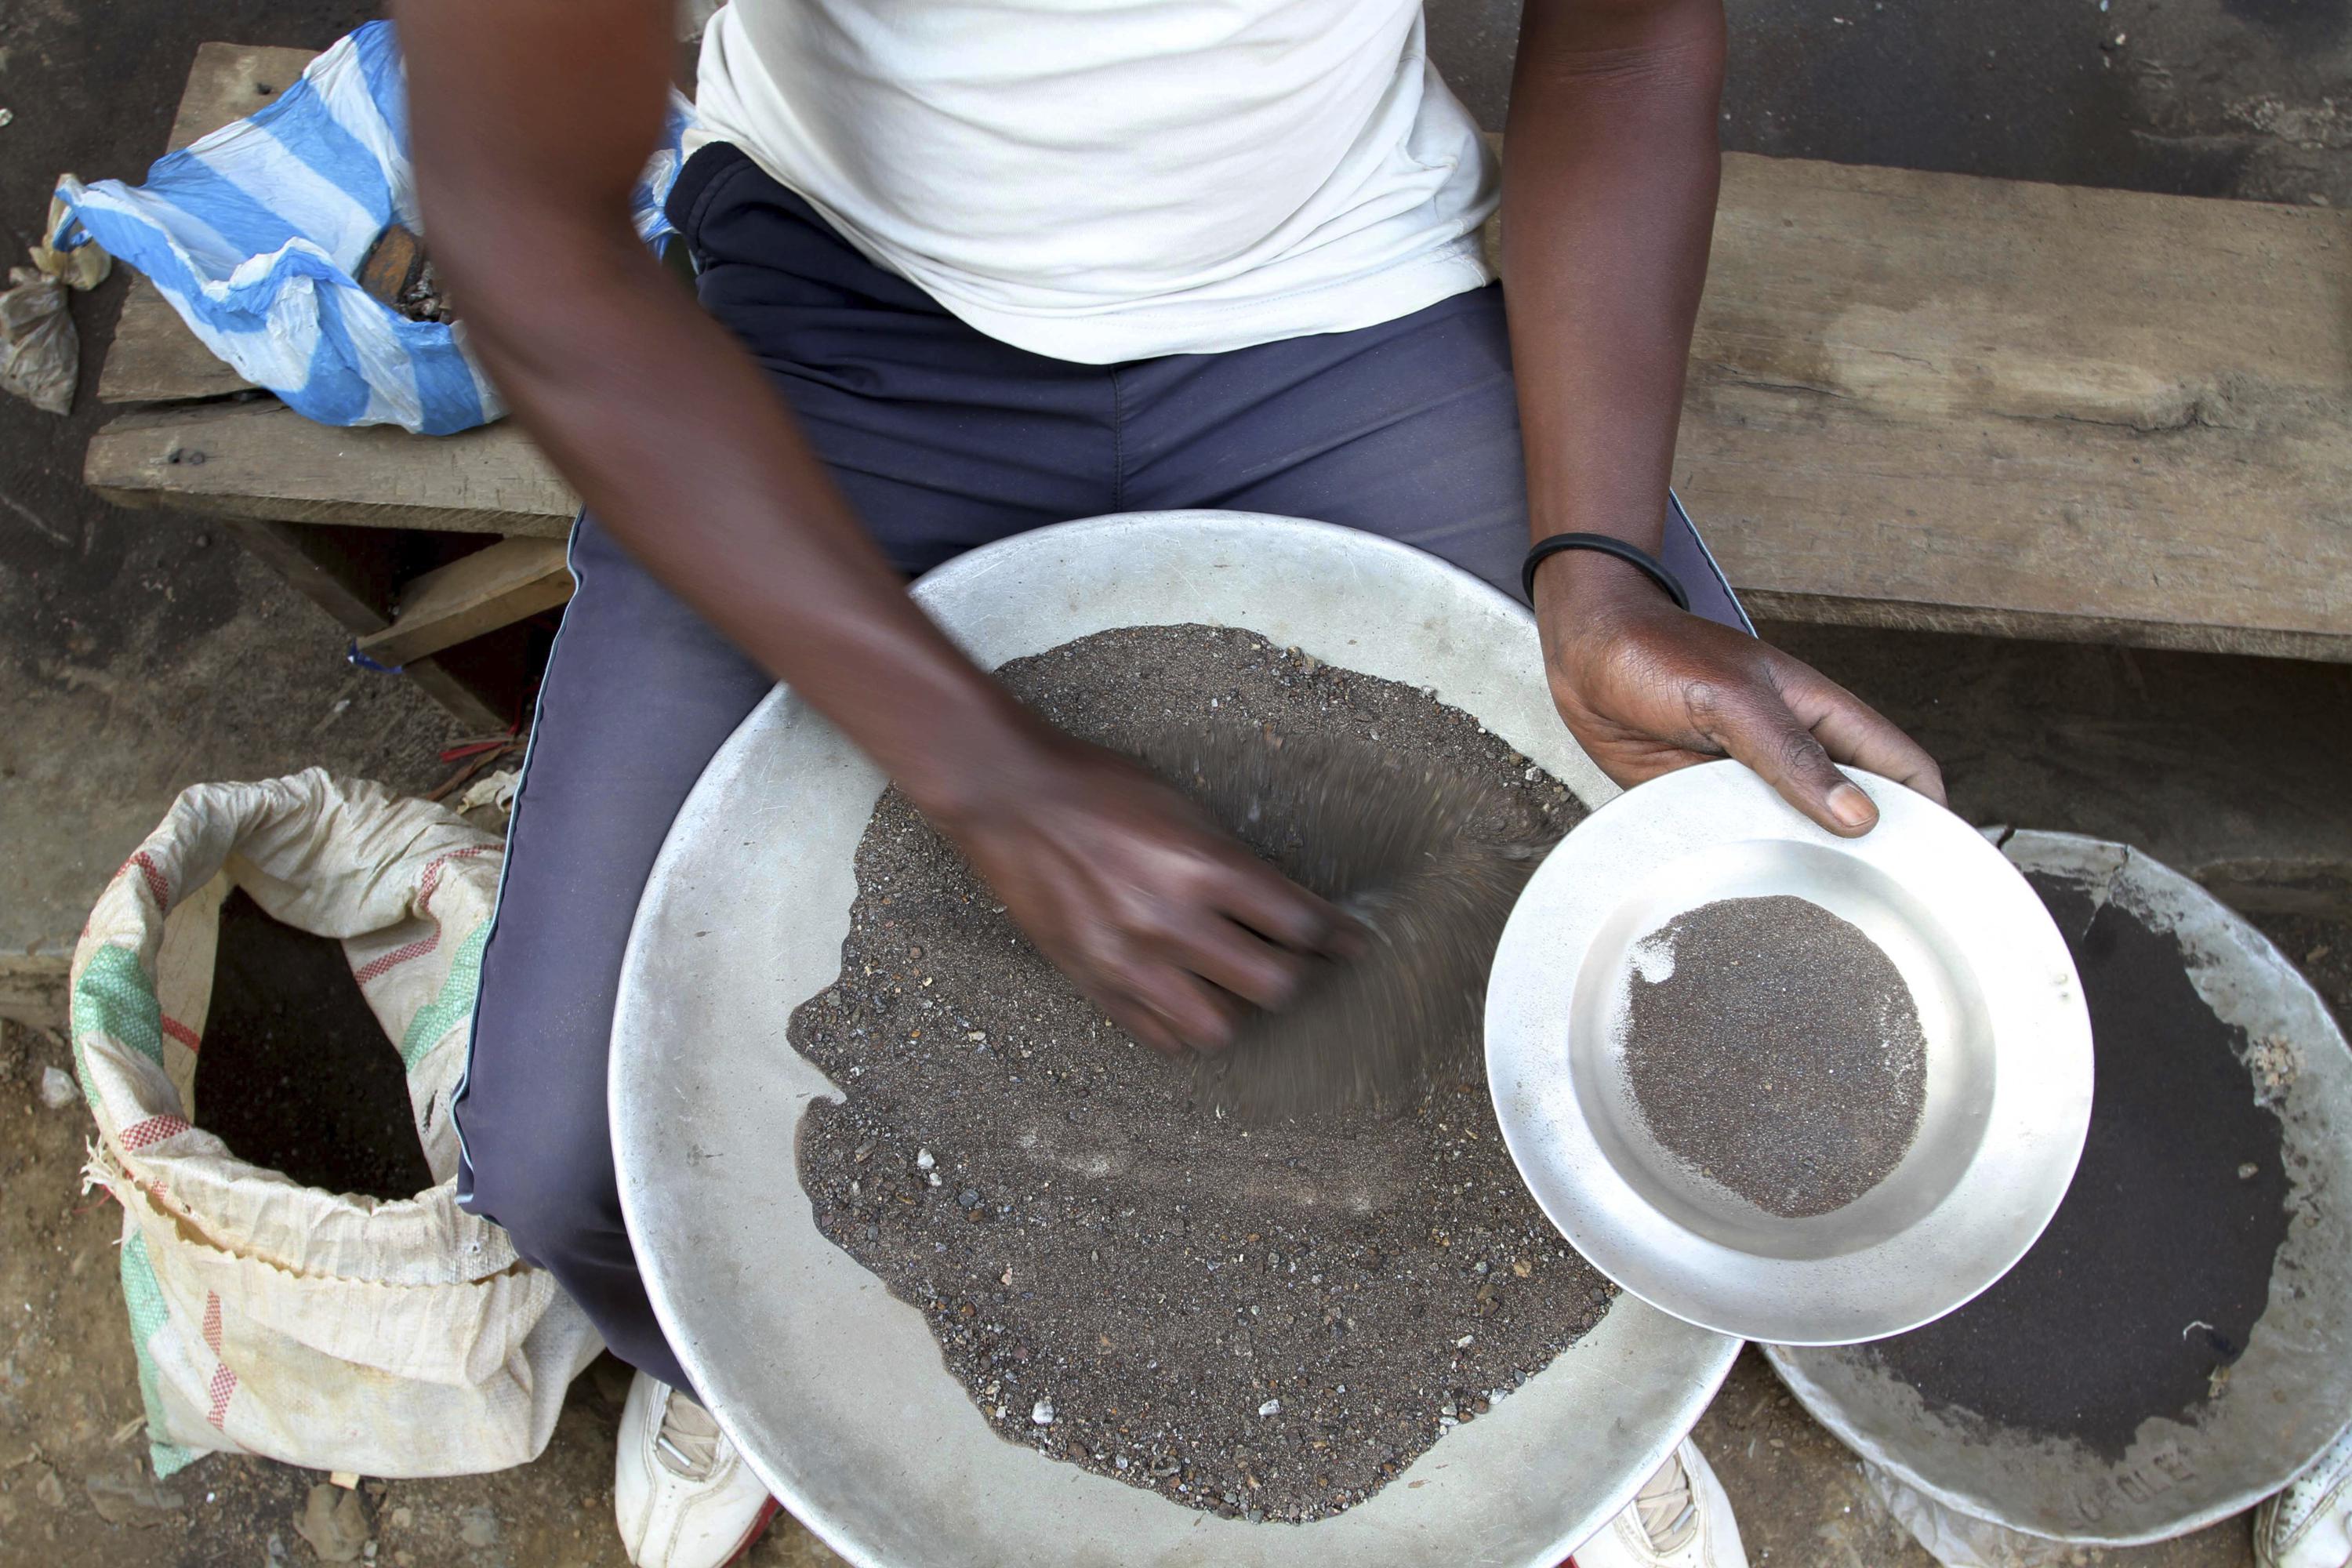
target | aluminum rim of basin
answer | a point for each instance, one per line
(2007, 1070)
(834, 1390)
(2286, 1397)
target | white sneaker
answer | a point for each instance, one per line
(2309, 1525)
(1680, 1519)
(683, 1496)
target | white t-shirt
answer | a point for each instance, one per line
(1108, 179)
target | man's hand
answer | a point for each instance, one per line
(1166, 923)
(1609, 184)
(1647, 688)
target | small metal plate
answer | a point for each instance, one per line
(2290, 1393)
(2008, 1064)
(833, 1389)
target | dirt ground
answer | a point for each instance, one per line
(75, 1490)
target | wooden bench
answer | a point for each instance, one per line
(1916, 400)
(430, 550)
(1985, 405)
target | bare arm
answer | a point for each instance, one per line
(532, 120)
(1609, 192)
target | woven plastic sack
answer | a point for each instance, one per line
(334, 1331)
(1957, 1539)
(255, 234)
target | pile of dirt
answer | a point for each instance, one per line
(1777, 1052)
(1263, 1321)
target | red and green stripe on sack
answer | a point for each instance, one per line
(452, 1003)
(143, 1296)
(114, 997)
(453, 1000)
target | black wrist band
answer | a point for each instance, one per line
(1632, 555)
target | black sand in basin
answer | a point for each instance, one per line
(2158, 1264)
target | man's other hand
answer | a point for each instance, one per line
(1646, 689)
(1167, 924)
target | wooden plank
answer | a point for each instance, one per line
(154, 357)
(1989, 406)
(351, 579)
(229, 81)
(510, 581)
(262, 459)
(33, 987)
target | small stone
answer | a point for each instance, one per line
(969, 1198)
(2246, 1171)
(334, 1521)
(1271, 1407)
(131, 1497)
(1042, 1413)
(58, 1088)
(1463, 1342)
(923, 1161)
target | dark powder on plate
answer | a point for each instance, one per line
(1265, 1321)
(1782, 1057)
(2156, 1265)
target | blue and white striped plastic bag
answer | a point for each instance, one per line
(255, 234)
